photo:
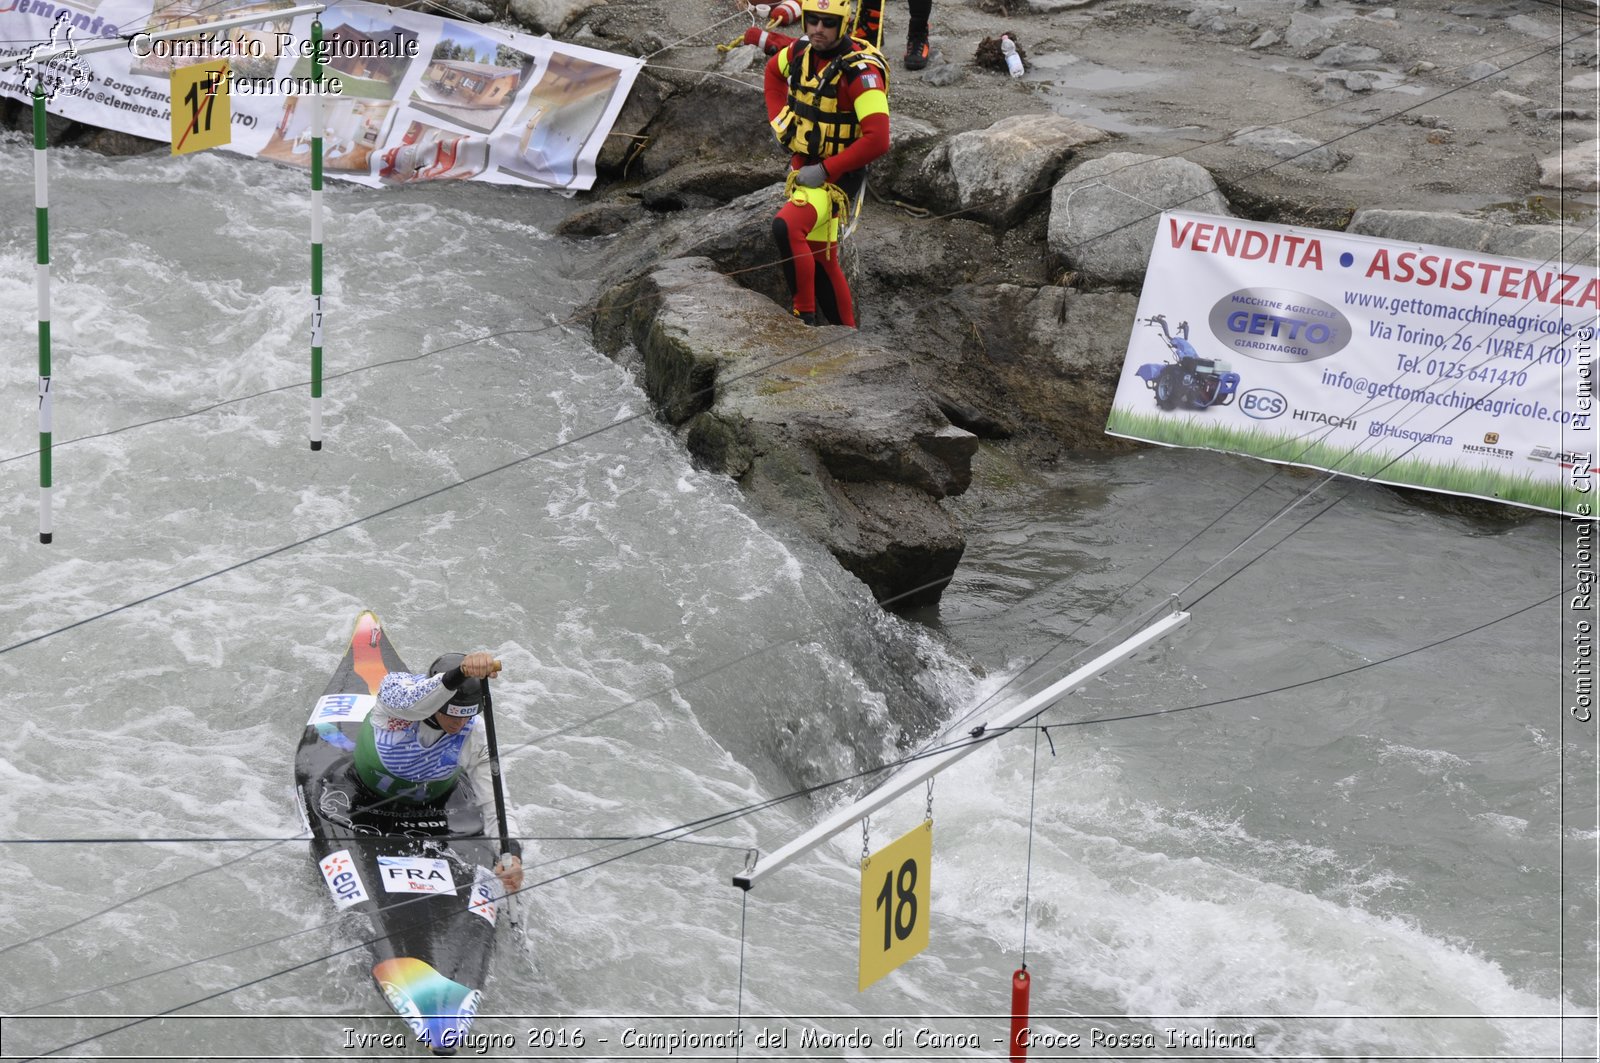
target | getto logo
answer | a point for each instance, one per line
(1278, 325)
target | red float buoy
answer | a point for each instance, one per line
(1019, 1014)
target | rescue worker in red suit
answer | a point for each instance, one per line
(827, 102)
(869, 27)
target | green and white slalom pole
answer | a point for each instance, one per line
(41, 206)
(316, 234)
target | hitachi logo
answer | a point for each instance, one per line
(1324, 418)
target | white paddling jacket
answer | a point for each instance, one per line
(398, 755)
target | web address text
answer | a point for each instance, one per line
(1396, 305)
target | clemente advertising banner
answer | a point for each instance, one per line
(412, 97)
(1430, 367)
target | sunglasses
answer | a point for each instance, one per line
(827, 22)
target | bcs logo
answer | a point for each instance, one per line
(1263, 404)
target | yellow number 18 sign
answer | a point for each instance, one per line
(894, 903)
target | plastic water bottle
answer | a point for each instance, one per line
(1008, 48)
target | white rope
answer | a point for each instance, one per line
(692, 36)
(1066, 206)
(709, 73)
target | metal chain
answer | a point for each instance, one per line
(866, 849)
(929, 815)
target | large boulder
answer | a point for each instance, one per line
(1575, 169)
(1348, 55)
(920, 258)
(703, 185)
(996, 174)
(628, 139)
(897, 170)
(1296, 149)
(737, 237)
(1305, 30)
(115, 142)
(707, 119)
(1538, 243)
(550, 16)
(1103, 214)
(820, 426)
(1055, 354)
(606, 217)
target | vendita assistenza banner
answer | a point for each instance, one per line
(1430, 367)
(419, 98)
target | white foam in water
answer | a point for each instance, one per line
(603, 573)
(1114, 929)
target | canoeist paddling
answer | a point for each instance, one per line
(396, 776)
(424, 732)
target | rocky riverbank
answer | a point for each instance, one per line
(998, 266)
(998, 261)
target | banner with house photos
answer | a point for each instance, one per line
(419, 98)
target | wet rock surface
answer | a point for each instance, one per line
(821, 426)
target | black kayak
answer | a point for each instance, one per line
(419, 874)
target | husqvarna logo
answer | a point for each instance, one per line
(1263, 404)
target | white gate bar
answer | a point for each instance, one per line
(104, 44)
(1030, 708)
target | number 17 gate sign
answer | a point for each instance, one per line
(1430, 367)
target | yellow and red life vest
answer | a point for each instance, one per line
(812, 122)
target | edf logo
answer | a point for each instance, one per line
(1263, 404)
(340, 874)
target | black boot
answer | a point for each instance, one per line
(917, 51)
